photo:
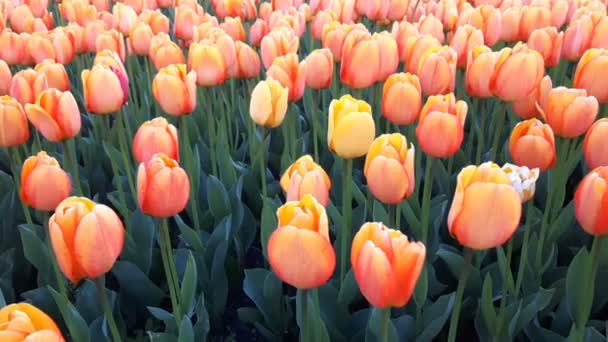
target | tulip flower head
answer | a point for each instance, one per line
(174, 88)
(440, 129)
(44, 184)
(14, 129)
(25, 322)
(398, 89)
(351, 128)
(155, 136)
(532, 144)
(523, 180)
(55, 115)
(268, 103)
(594, 148)
(590, 204)
(305, 177)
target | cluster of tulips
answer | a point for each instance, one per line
(464, 63)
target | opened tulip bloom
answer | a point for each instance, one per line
(299, 250)
(25, 322)
(174, 88)
(486, 208)
(522, 179)
(351, 127)
(55, 115)
(268, 103)
(386, 264)
(44, 184)
(14, 129)
(440, 129)
(87, 238)
(532, 144)
(305, 177)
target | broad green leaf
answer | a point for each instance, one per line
(186, 332)
(487, 304)
(78, 328)
(435, 316)
(577, 291)
(217, 197)
(377, 327)
(188, 285)
(268, 224)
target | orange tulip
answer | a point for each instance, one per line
(594, 150)
(227, 49)
(40, 47)
(569, 112)
(245, 9)
(12, 47)
(26, 85)
(164, 52)
(44, 184)
(25, 322)
(64, 43)
(5, 77)
(55, 115)
(577, 38)
(257, 31)
(140, 38)
(38, 7)
(486, 208)
(429, 24)
(386, 264)
(124, 18)
(163, 187)
(155, 136)
(19, 17)
(56, 75)
(374, 10)
(86, 237)
(206, 60)
(290, 73)
(112, 40)
(548, 42)
(399, 89)
(174, 88)
(527, 107)
(517, 73)
(268, 103)
(234, 28)
(389, 168)
(91, 31)
(324, 17)
(590, 204)
(437, 71)
(249, 63)
(105, 89)
(389, 55)
(75, 34)
(320, 69)
(592, 64)
(464, 40)
(305, 177)
(110, 59)
(186, 19)
(360, 60)
(486, 18)
(14, 129)
(299, 250)
(532, 144)
(417, 46)
(532, 18)
(278, 42)
(440, 127)
(159, 23)
(402, 31)
(510, 20)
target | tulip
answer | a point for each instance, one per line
(278, 42)
(299, 250)
(26, 85)
(548, 42)
(360, 61)
(25, 322)
(5, 78)
(268, 103)
(333, 37)
(430, 24)
(516, 73)
(140, 39)
(206, 60)
(417, 46)
(14, 129)
(402, 31)
(40, 47)
(465, 39)
(111, 59)
(592, 64)
(569, 112)
(305, 177)
(527, 107)
(351, 129)
(486, 208)
(227, 49)
(486, 18)
(56, 75)
(389, 168)
(175, 90)
(324, 17)
(532, 18)
(164, 52)
(234, 28)
(399, 89)
(112, 40)
(290, 73)
(105, 89)
(124, 18)
(437, 71)
(532, 144)
(55, 115)
(13, 47)
(589, 203)
(155, 136)
(156, 19)
(64, 43)
(577, 38)
(594, 150)
(257, 31)
(163, 187)
(249, 63)
(522, 179)
(44, 184)
(86, 237)
(186, 19)
(389, 55)
(320, 69)
(386, 264)
(440, 127)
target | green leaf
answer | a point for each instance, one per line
(202, 326)
(435, 316)
(487, 304)
(139, 247)
(219, 280)
(577, 291)
(422, 287)
(186, 332)
(34, 248)
(79, 331)
(379, 213)
(160, 314)
(188, 286)
(161, 337)
(348, 289)
(375, 327)
(135, 287)
(217, 197)
(268, 224)
(189, 236)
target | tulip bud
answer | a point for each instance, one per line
(464, 40)
(56, 75)
(175, 89)
(516, 73)
(320, 69)
(249, 64)
(55, 115)
(590, 206)
(306, 177)
(437, 71)
(522, 179)
(360, 67)
(140, 39)
(205, 58)
(155, 136)
(26, 85)
(440, 127)
(351, 128)
(548, 42)
(278, 42)
(164, 52)
(44, 184)
(532, 144)
(569, 112)
(268, 103)
(25, 322)
(592, 64)
(14, 129)
(290, 73)
(594, 150)
(399, 89)
(105, 89)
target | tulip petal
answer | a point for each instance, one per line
(43, 122)
(375, 276)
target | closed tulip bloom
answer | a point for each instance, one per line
(360, 62)
(56, 75)
(111, 59)
(522, 179)
(486, 208)
(569, 112)
(25, 322)
(55, 115)
(516, 73)
(268, 103)
(124, 18)
(156, 19)
(206, 60)
(590, 205)
(174, 88)
(14, 129)
(486, 18)
(91, 31)
(164, 52)
(290, 73)
(437, 71)
(155, 136)
(112, 40)
(532, 18)
(5, 77)
(548, 42)
(429, 24)
(399, 89)
(257, 31)
(386, 264)
(532, 144)
(440, 127)
(40, 47)
(44, 184)
(86, 237)
(464, 40)
(249, 64)
(529, 106)
(140, 39)
(577, 38)
(351, 129)
(234, 28)
(299, 250)
(594, 150)
(417, 46)
(19, 16)
(389, 168)
(278, 42)
(305, 177)
(324, 17)
(402, 31)
(12, 47)
(186, 19)
(163, 187)
(64, 43)
(592, 64)
(105, 89)
(26, 85)
(389, 55)
(320, 69)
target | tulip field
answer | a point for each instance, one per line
(303, 170)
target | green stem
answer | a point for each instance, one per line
(61, 286)
(305, 326)
(498, 132)
(397, 208)
(107, 309)
(480, 136)
(426, 198)
(521, 270)
(313, 118)
(468, 255)
(262, 161)
(72, 163)
(193, 182)
(169, 266)
(124, 150)
(211, 131)
(16, 161)
(505, 288)
(385, 319)
(345, 232)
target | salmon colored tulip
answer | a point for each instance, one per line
(592, 64)
(402, 31)
(594, 150)
(86, 237)
(360, 60)
(548, 42)
(486, 208)
(206, 60)
(516, 73)
(249, 64)
(111, 59)
(174, 88)
(389, 55)
(75, 34)
(105, 89)
(91, 31)
(245, 9)
(399, 89)
(324, 17)
(26, 85)
(163, 187)
(440, 127)
(257, 31)
(38, 7)
(44, 184)
(351, 129)
(464, 40)
(320, 69)
(577, 38)
(5, 77)
(278, 42)
(590, 205)
(159, 23)
(522, 179)
(64, 43)
(124, 18)
(532, 18)
(386, 264)
(155, 136)
(40, 47)
(486, 18)
(12, 47)
(429, 24)
(234, 28)
(299, 250)
(140, 38)
(374, 10)
(164, 52)
(389, 168)
(532, 144)
(55, 115)
(437, 71)
(19, 16)
(290, 73)
(417, 46)
(305, 177)
(25, 322)
(529, 106)
(227, 49)
(56, 75)
(332, 38)
(14, 129)
(569, 112)
(268, 103)
(510, 20)
(112, 40)
(186, 19)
